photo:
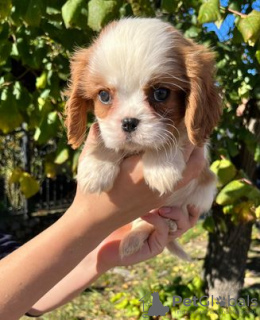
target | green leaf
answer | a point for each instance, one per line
(209, 224)
(225, 171)
(126, 10)
(5, 8)
(235, 190)
(5, 50)
(209, 11)
(75, 161)
(257, 55)
(257, 153)
(15, 175)
(101, 12)
(62, 156)
(192, 32)
(257, 212)
(169, 5)
(225, 316)
(50, 169)
(244, 211)
(34, 13)
(250, 27)
(122, 304)
(71, 11)
(41, 81)
(233, 5)
(29, 186)
(10, 117)
(48, 128)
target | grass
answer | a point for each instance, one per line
(133, 282)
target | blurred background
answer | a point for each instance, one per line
(37, 167)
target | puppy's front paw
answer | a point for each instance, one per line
(163, 171)
(134, 241)
(95, 176)
(162, 179)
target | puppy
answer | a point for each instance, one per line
(152, 91)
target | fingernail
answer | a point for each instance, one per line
(165, 210)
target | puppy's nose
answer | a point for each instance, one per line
(130, 124)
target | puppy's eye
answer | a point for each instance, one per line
(104, 96)
(161, 94)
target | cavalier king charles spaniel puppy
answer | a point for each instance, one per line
(152, 91)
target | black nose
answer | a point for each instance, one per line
(129, 124)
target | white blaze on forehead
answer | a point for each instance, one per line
(130, 52)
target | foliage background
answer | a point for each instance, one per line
(37, 38)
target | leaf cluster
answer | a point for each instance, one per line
(37, 38)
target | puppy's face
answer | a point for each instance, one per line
(145, 84)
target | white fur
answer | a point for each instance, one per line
(128, 71)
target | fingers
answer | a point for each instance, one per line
(159, 237)
(184, 222)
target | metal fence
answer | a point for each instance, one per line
(18, 150)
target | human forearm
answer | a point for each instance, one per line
(45, 260)
(81, 277)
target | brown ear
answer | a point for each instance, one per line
(77, 105)
(203, 108)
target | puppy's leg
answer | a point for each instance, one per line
(139, 233)
(162, 170)
(99, 169)
(134, 241)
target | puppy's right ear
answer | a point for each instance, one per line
(77, 104)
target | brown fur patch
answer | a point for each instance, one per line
(194, 96)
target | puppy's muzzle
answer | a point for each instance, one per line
(130, 124)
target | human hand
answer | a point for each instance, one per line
(108, 254)
(195, 162)
(130, 196)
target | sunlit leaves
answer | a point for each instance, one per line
(249, 26)
(28, 185)
(257, 153)
(62, 156)
(225, 171)
(71, 11)
(37, 37)
(41, 81)
(257, 54)
(100, 12)
(209, 11)
(237, 190)
(48, 128)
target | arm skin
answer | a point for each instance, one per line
(31, 271)
(106, 256)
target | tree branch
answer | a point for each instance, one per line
(242, 15)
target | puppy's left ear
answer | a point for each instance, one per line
(203, 108)
(77, 104)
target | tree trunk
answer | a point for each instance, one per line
(226, 258)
